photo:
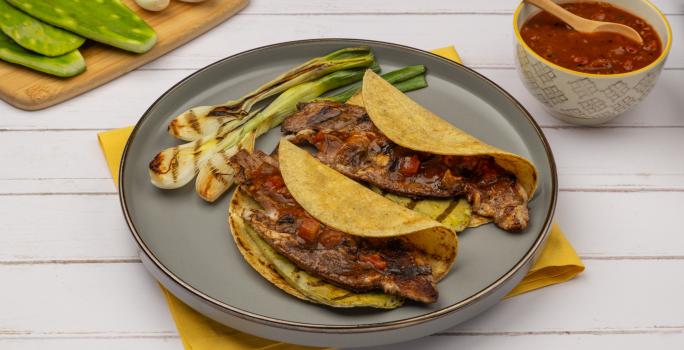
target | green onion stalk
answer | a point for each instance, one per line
(415, 83)
(200, 121)
(405, 79)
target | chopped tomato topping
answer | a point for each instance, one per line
(274, 182)
(374, 259)
(308, 229)
(319, 137)
(330, 239)
(409, 165)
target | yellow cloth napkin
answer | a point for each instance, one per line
(557, 263)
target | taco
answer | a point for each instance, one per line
(322, 237)
(383, 138)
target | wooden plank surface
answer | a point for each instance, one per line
(622, 192)
(103, 108)
(424, 31)
(566, 341)
(432, 7)
(176, 25)
(596, 303)
(146, 342)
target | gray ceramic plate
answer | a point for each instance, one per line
(186, 242)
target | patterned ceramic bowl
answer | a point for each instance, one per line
(583, 98)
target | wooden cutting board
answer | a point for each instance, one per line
(176, 25)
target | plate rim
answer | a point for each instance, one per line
(358, 328)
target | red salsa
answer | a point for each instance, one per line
(597, 53)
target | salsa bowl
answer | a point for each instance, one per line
(586, 98)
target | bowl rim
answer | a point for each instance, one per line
(357, 328)
(663, 54)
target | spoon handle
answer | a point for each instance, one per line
(576, 22)
(584, 25)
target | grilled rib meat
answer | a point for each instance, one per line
(358, 264)
(347, 140)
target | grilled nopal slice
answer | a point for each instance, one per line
(66, 65)
(454, 213)
(359, 264)
(35, 35)
(107, 21)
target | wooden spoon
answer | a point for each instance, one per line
(584, 25)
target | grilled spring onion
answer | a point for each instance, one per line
(414, 83)
(216, 176)
(192, 124)
(393, 77)
(176, 166)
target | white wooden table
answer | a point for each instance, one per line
(70, 277)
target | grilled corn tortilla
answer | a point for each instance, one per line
(350, 207)
(454, 213)
(413, 126)
(276, 269)
(459, 219)
(356, 99)
(477, 221)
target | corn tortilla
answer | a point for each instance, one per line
(413, 126)
(350, 207)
